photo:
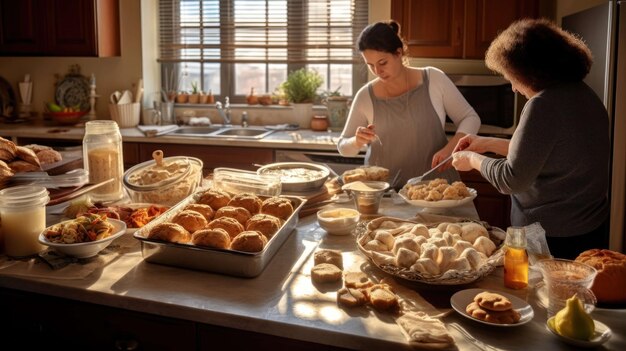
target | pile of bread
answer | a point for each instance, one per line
(242, 222)
(436, 190)
(440, 251)
(29, 158)
(365, 173)
(609, 285)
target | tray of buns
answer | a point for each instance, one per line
(454, 252)
(221, 232)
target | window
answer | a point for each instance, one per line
(231, 46)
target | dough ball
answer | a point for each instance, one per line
(471, 231)
(484, 245)
(407, 243)
(406, 258)
(420, 230)
(386, 238)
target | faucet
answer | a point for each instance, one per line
(244, 119)
(225, 111)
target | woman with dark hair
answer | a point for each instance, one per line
(400, 115)
(557, 162)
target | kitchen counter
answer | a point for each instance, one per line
(303, 139)
(282, 301)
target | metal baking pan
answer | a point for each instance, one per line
(236, 263)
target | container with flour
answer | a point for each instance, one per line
(103, 159)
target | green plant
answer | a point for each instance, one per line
(194, 87)
(301, 86)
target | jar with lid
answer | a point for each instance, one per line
(103, 159)
(515, 259)
(23, 213)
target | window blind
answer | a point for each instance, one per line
(267, 31)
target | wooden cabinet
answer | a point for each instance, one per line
(492, 206)
(59, 28)
(456, 28)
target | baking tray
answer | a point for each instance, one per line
(236, 263)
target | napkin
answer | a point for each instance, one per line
(157, 130)
(425, 332)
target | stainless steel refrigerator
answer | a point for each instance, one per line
(603, 28)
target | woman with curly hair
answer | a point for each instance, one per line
(556, 165)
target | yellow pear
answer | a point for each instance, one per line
(573, 322)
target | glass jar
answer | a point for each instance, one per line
(103, 159)
(23, 213)
(515, 259)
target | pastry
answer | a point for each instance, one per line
(250, 202)
(328, 256)
(509, 316)
(385, 237)
(203, 209)
(277, 206)
(472, 231)
(230, 225)
(214, 198)
(381, 297)
(484, 245)
(493, 301)
(357, 280)
(19, 166)
(190, 220)
(350, 297)
(216, 238)
(8, 150)
(249, 241)
(239, 213)
(325, 273)
(36, 147)
(171, 232)
(268, 225)
(609, 285)
(48, 156)
(406, 258)
(28, 155)
(5, 170)
(407, 243)
(353, 175)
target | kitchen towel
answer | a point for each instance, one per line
(157, 130)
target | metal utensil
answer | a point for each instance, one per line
(416, 180)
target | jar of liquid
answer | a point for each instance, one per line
(23, 213)
(515, 259)
(103, 159)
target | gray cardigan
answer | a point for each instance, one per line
(557, 168)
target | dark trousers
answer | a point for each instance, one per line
(570, 247)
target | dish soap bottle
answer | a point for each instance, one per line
(515, 259)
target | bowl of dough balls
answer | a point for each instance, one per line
(338, 221)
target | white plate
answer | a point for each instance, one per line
(601, 334)
(440, 203)
(461, 299)
(86, 249)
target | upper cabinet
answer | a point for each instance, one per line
(456, 28)
(88, 28)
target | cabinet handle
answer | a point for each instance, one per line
(127, 345)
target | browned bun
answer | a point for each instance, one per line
(203, 209)
(249, 241)
(266, 224)
(217, 238)
(8, 150)
(190, 220)
(215, 198)
(5, 170)
(22, 166)
(239, 213)
(230, 225)
(280, 207)
(49, 156)
(171, 232)
(609, 285)
(250, 202)
(28, 155)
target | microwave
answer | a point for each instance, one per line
(494, 101)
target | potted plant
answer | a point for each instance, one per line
(337, 105)
(300, 89)
(194, 97)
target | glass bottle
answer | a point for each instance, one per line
(23, 211)
(515, 259)
(103, 159)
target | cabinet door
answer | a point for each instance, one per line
(71, 28)
(432, 28)
(21, 29)
(487, 18)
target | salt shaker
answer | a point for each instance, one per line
(103, 159)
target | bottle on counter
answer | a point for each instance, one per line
(23, 213)
(515, 259)
(103, 159)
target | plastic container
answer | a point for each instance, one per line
(23, 212)
(515, 259)
(163, 181)
(236, 181)
(103, 158)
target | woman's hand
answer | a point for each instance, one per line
(468, 143)
(467, 160)
(365, 135)
(440, 156)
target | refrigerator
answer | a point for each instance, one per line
(603, 28)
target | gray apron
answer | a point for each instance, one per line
(411, 133)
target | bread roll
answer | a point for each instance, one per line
(8, 150)
(328, 256)
(49, 156)
(230, 225)
(250, 202)
(171, 232)
(268, 225)
(216, 238)
(214, 198)
(190, 220)
(609, 285)
(484, 245)
(239, 213)
(28, 155)
(249, 241)
(203, 209)
(471, 231)
(406, 258)
(385, 237)
(325, 273)
(278, 207)
(19, 166)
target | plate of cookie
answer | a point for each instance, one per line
(494, 308)
(437, 193)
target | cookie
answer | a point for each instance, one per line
(351, 297)
(493, 301)
(357, 280)
(499, 317)
(382, 297)
(325, 273)
(328, 256)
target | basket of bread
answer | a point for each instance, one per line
(453, 252)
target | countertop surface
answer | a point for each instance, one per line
(283, 301)
(302, 139)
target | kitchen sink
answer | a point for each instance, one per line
(222, 132)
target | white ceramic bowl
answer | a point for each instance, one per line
(338, 221)
(87, 249)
